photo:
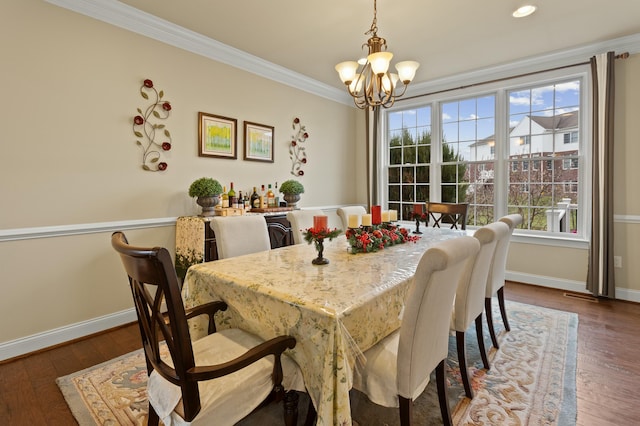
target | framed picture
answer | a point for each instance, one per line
(258, 142)
(217, 136)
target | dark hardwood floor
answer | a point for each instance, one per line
(607, 378)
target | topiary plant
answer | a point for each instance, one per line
(205, 187)
(291, 187)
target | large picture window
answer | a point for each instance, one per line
(526, 160)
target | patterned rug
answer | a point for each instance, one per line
(531, 382)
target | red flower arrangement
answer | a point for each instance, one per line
(375, 238)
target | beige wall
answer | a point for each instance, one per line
(70, 87)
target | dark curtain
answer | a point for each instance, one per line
(600, 276)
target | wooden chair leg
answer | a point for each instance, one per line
(406, 411)
(503, 311)
(152, 418)
(441, 382)
(462, 361)
(481, 348)
(290, 404)
(487, 312)
(311, 414)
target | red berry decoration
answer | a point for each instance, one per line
(300, 172)
(293, 143)
(166, 106)
(166, 146)
(138, 120)
(148, 83)
(162, 166)
(296, 120)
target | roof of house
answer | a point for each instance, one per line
(557, 122)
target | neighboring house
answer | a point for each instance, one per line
(542, 149)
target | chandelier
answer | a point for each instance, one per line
(373, 84)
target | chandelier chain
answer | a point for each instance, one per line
(374, 24)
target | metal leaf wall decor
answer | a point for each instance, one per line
(297, 152)
(153, 136)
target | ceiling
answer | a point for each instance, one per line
(446, 37)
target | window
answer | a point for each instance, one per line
(409, 159)
(452, 150)
(571, 137)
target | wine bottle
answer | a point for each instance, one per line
(239, 201)
(255, 199)
(225, 198)
(263, 198)
(277, 194)
(233, 201)
(271, 198)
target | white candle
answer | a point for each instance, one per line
(366, 220)
(353, 220)
(393, 215)
(385, 216)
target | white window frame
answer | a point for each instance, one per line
(500, 90)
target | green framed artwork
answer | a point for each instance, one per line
(217, 136)
(258, 142)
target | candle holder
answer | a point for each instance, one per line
(317, 236)
(417, 231)
(320, 260)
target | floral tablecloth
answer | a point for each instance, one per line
(335, 311)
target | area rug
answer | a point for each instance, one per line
(531, 382)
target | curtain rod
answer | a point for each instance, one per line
(624, 55)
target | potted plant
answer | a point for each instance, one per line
(291, 190)
(206, 191)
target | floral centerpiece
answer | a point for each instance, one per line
(317, 236)
(373, 238)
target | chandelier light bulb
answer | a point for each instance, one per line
(407, 70)
(347, 71)
(380, 62)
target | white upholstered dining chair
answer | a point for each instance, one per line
(238, 235)
(345, 212)
(398, 368)
(301, 220)
(495, 281)
(469, 301)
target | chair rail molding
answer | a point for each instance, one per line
(83, 228)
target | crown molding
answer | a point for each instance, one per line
(577, 55)
(137, 21)
(132, 19)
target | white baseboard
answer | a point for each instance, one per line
(56, 336)
(568, 285)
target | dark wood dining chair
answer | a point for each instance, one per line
(218, 379)
(398, 368)
(452, 214)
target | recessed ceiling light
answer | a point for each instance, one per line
(523, 11)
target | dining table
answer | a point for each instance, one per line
(335, 311)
